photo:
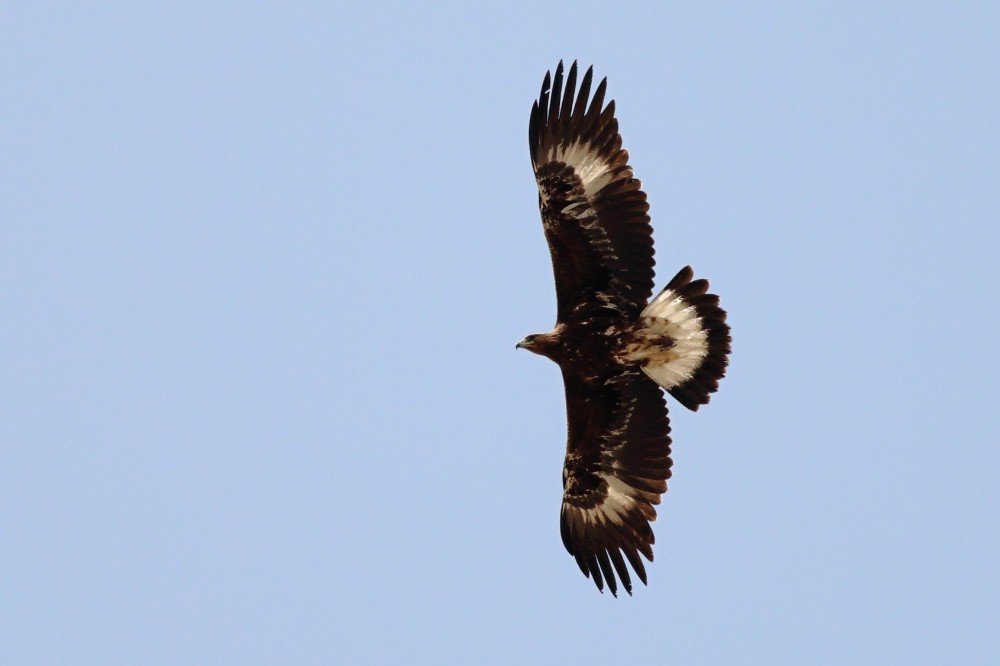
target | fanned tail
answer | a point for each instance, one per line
(693, 335)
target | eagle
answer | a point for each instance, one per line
(617, 349)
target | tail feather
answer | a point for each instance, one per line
(699, 339)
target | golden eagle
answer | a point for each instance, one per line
(615, 347)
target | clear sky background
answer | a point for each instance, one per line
(262, 269)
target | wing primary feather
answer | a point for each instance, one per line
(568, 97)
(599, 134)
(597, 104)
(533, 127)
(543, 98)
(608, 127)
(609, 574)
(565, 534)
(592, 123)
(582, 563)
(616, 559)
(636, 562)
(581, 99)
(589, 126)
(556, 96)
(595, 569)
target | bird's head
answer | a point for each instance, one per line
(528, 343)
(539, 343)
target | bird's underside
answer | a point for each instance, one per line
(615, 347)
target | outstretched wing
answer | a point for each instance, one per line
(593, 210)
(617, 466)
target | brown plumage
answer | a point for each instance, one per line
(615, 349)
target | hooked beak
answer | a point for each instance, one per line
(523, 344)
(519, 345)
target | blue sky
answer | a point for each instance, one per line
(263, 271)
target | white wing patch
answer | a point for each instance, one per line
(614, 507)
(670, 315)
(593, 170)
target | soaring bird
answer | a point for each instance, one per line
(616, 348)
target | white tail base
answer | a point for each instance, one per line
(668, 315)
